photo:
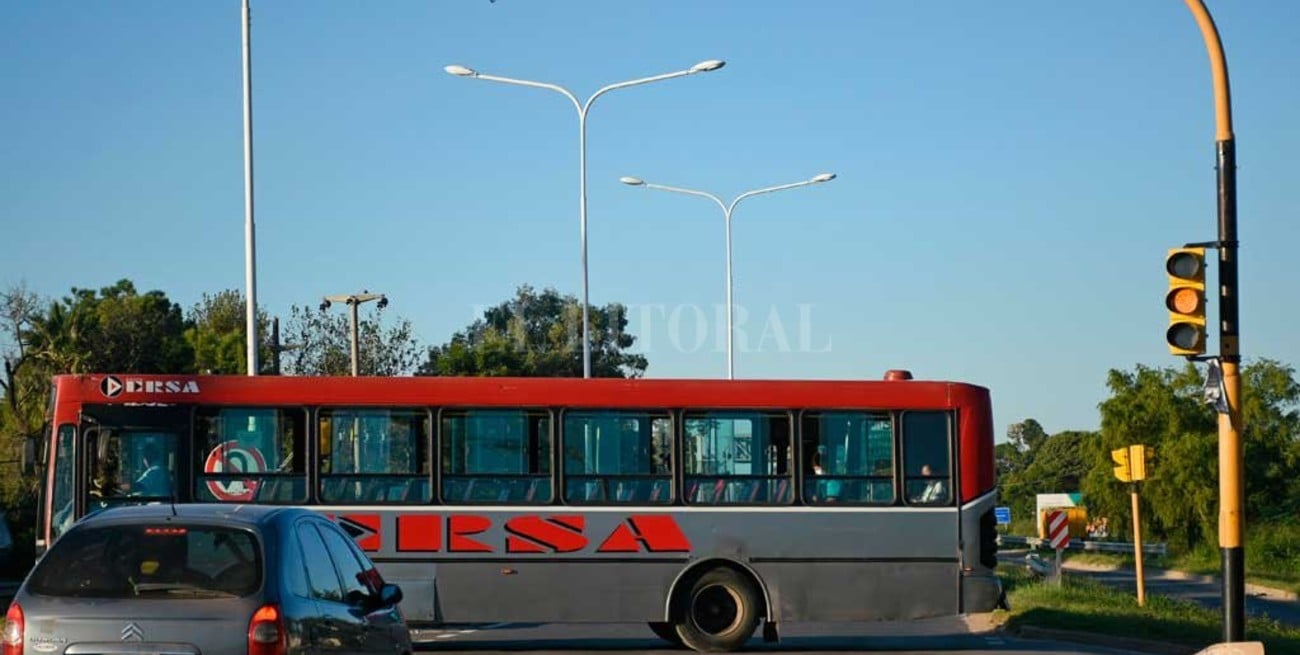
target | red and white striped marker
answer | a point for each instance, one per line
(1058, 529)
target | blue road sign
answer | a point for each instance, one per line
(1003, 515)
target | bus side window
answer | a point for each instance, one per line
(737, 457)
(848, 457)
(495, 456)
(61, 500)
(373, 455)
(617, 457)
(926, 456)
(250, 454)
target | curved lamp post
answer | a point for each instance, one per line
(727, 212)
(583, 108)
(1232, 547)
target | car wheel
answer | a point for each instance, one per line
(720, 612)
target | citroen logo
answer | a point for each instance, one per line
(132, 632)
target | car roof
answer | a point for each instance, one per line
(252, 516)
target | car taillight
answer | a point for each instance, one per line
(13, 635)
(266, 633)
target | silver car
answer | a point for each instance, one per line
(205, 580)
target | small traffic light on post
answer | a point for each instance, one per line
(1137, 462)
(1122, 470)
(1186, 301)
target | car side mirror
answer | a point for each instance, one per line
(357, 598)
(390, 595)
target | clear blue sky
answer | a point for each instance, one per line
(1010, 173)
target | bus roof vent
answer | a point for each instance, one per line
(897, 374)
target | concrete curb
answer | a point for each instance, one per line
(1109, 641)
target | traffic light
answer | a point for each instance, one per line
(1137, 462)
(1186, 301)
(1120, 455)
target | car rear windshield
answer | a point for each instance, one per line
(165, 561)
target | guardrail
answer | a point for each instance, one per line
(1077, 544)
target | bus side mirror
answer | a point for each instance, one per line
(29, 455)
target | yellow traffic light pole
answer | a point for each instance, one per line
(1231, 493)
(1133, 462)
(1137, 547)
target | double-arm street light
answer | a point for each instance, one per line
(583, 108)
(354, 301)
(727, 212)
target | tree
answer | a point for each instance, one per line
(1270, 410)
(539, 335)
(1058, 464)
(114, 329)
(1030, 462)
(216, 331)
(1027, 436)
(26, 390)
(323, 343)
(1162, 408)
(25, 383)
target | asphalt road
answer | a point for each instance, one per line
(795, 638)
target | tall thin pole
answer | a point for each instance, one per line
(1137, 547)
(582, 219)
(727, 211)
(583, 108)
(250, 248)
(356, 370)
(731, 368)
(1231, 478)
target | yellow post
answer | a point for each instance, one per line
(1137, 549)
(1231, 479)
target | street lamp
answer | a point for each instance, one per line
(1232, 548)
(583, 108)
(250, 245)
(727, 212)
(354, 301)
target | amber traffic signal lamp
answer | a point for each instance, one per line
(1186, 301)
(1122, 470)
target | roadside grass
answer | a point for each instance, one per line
(1117, 559)
(1088, 606)
(1269, 562)
(1272, 557)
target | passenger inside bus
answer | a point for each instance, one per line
(935, 490)
(827, 490)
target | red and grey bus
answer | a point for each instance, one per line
(701, 507)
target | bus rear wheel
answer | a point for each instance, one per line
(666, 631)
(720, 612)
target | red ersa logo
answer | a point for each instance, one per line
(561, 533)
(112, 387)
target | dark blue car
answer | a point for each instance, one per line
(205, 579)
